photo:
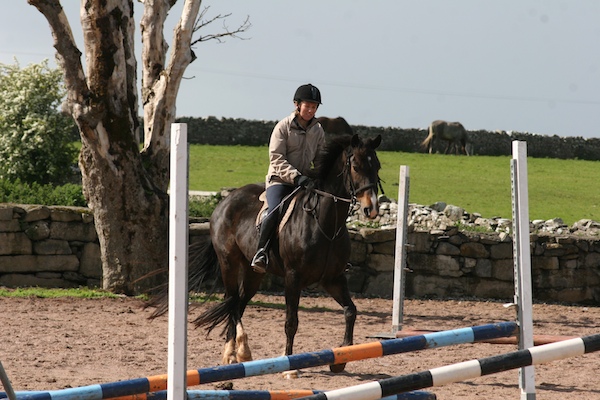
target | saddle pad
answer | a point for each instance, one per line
(284, 219)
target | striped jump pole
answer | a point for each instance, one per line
(272, 395)
(464, 370)
(252, 395)
(286, 363)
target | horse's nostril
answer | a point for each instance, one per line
(367, 211)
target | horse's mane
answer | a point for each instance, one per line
(330, 154)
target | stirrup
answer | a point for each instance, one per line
(260, 261)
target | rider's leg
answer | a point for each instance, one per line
(267, 227)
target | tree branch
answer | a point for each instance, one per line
(201, 23)
(68, 57)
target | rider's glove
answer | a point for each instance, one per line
(304, 181)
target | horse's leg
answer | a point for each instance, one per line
(230, 274)
(229, 354)
(448, 147)
(243, 352)
(292, 302)
(250, 285)
(338, 289)
(236, 342)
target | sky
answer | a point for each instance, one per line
(513, 65)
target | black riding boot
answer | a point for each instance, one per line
(267, 228)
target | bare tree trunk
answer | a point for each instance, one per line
(125, 189)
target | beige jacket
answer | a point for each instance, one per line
(292, 150)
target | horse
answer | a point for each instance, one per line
(335, 125)
(313, 246)
(452, 132)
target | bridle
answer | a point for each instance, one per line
(354, 192)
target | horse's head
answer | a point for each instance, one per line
(363, 174)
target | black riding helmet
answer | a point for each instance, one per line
(308, 92)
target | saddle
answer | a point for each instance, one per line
(286, 212)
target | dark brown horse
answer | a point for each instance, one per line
(452, 132)
(335, 125)
(313, 246)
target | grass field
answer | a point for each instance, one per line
(565, 189)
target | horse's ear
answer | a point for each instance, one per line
(374, 143)
(356, 142)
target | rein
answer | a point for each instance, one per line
(312, 211)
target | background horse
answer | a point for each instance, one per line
(313, 246)
(335, 125)
(452, 132)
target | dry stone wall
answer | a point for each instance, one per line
(58, 247)
(453, 263)
(228, 131)
(48, 247)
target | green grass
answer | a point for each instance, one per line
(565, 189)
(216, 167)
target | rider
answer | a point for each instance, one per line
(295, 143)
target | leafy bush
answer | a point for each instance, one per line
(203, 207)
(35, 193)
(72, 195)
(35, 137)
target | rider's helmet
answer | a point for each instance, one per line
(308, 92)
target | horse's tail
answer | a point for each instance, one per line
(218, 314)
(203, 267)
(427, 142)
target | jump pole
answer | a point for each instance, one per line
(465, 370)
(252, 395)
(128, 389)
(178, 267)
(10, 393)
(273, 395)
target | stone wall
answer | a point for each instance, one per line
(228, 131)
(58, 247)
(48, 247)
(453, 263)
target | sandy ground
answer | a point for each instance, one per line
(62, 343)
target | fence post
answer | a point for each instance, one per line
(401, 242)
(178, 268)
(522, 262)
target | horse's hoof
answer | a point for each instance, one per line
(244, 358)
(295, 374)
(337, 368)
(231, 359)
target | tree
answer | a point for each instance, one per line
(126, 188)
(35, 137)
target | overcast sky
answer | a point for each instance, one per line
(522, 65)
